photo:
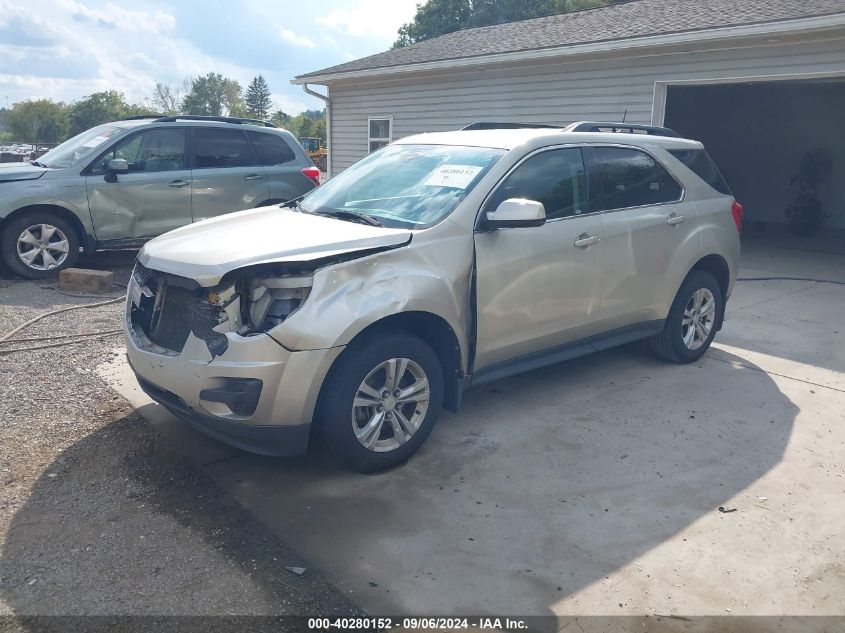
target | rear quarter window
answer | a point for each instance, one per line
(271, 149)
(700, 163)
(622, 177)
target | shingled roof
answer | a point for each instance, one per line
(637, 18)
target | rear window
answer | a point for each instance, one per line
(271, 149)
(702, 165)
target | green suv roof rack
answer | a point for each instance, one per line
(170, 118)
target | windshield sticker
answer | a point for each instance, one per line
(455, 176)
(97, 140)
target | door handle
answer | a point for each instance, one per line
(584, 240)
(178, 183)
(674, 219)
(253, 177)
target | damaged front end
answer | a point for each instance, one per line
(163, 310)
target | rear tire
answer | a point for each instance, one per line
(37, 244)
(691, 325)
(381, 400)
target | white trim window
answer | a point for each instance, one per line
(379, 132)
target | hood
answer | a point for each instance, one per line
(207, 250)
(20, 171)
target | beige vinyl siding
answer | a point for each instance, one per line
(555, 92)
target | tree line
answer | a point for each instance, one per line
(48, 121)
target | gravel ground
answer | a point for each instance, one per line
(98, 516)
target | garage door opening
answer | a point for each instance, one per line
(781, 148)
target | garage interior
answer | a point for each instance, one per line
(759, 133)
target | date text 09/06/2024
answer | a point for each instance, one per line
(416, 623)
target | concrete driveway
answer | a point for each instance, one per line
(595, 487)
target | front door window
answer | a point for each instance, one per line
(555, 177)
(151, 151)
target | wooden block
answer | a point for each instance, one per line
(84, 280)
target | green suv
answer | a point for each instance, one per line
(122, 183)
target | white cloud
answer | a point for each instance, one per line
(113, 16)
(95, 50)
(65, 49)
(297, 40)
(370, 18)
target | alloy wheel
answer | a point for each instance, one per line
(43, 247)
(699, 317)
(390, 404)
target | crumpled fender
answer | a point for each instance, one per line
(347, 298)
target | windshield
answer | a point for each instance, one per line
(412, 186)
(75, 149)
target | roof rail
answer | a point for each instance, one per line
(623, 128)
(492, 125)
(170, 118)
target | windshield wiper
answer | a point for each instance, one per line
(334, 213)
(37, 164)
(292, 204)
(350, 215)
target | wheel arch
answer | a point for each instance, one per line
(717, 266)
(85, 238)
(437, 333)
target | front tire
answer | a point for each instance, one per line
(37, 245)
(381, 400)
(691, 325)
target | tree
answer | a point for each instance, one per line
(280, 119)
(5, 135)
(166, 99)
(258, 102)
(438, 17)
(433, 18)
(41, 121)
(99, 108)
(214, 95)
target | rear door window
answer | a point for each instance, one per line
(271, 149)
(622, 177)
(700, 163)
(214, 147)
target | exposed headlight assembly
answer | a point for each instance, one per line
(270, 300)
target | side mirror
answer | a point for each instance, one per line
(517, 212)
(118, 166)
(114, 167)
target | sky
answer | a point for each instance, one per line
(66, 49)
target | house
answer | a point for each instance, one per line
(760, 82)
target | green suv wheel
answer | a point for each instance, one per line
(36, 245)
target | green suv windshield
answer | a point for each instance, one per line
(75, 149)
(412, 186)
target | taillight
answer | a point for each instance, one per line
(314, 174)
(736, 211)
